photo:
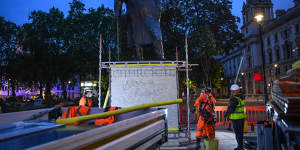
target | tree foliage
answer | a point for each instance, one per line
(211, 30)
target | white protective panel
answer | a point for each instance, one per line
(132, 86)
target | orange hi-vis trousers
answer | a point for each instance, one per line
(205, 130)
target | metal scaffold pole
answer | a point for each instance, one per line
(118, 37)
(100, 61)
(187, 87)
(238, 72)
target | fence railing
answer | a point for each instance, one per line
(254, 114)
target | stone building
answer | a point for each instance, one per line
(281, 40)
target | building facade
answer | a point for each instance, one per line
(230, 64)
(281, 40)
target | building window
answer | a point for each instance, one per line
(288, 49)
(249, 62)
(277, 71)
(276, 37)
(285, 34)
(277, 53)
(270, 56)
(268, 41)
(297, 41)
(250, 87)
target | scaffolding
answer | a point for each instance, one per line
(150, 64)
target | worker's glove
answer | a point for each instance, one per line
(193, 110)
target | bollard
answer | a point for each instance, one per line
(260, 135)
(268, 137)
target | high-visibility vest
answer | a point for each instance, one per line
(239, 112)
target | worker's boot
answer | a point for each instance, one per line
(198, 142)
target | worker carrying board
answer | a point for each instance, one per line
(206, 122)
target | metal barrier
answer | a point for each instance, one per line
(183, 117)
(219, 112)
(254, 114)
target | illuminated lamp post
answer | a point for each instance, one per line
(259, 19)
(243, 82)
(274, 72)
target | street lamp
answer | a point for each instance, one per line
(259, 19)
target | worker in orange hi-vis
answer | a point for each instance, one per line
(206, 123)
(86, 99)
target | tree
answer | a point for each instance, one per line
(42, 38)
(8, 50)
(211, 30)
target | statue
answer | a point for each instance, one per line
(143, 25)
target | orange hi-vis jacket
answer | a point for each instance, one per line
(75, 111)
(203, 99)
(205, 129)
(85, 101)
(108, 120)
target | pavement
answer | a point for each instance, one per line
(8, 118)
(226, 139)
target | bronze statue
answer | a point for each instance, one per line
(143, 25)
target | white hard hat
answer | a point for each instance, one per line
(234, 87)
(85, 90)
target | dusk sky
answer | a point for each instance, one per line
(17, 11)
